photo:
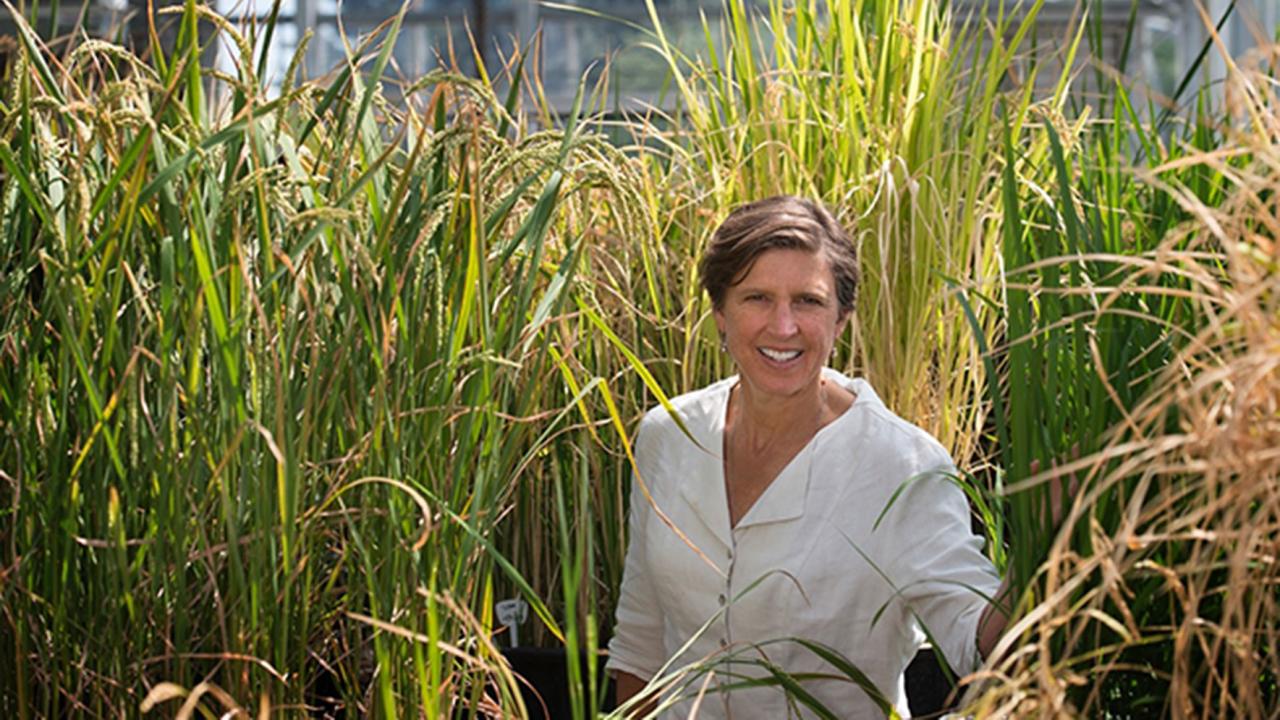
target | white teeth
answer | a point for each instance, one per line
(780, 355)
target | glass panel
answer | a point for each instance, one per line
(1163, 61)
(284, 43)
(631, 7)
(422, 46)
(387, 8)
(250, 8)
(573, 43)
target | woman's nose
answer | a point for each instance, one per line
(782, 321)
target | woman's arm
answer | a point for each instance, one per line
(995, 617)
(994, 620)
(638, 629)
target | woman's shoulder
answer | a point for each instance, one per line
(884, 430)
(697, 410)
(682, 428)
(906, 436)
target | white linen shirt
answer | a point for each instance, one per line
(823, 568)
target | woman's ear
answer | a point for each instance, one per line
(842, 322)
(720, 335)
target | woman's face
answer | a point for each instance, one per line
(781, 321)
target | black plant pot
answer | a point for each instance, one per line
(927, 686)
(546, 686)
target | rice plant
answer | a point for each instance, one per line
(275, 370)
(887, 112)
(1140, 297)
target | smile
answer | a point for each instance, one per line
(780, 355)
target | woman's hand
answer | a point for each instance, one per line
(627, 686)
(995, 618)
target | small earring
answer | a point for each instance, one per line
(724, 345)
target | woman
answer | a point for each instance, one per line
(775, 516)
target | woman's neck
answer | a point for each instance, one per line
(760, 421)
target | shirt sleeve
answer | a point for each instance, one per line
(637, 645)
(948, 581)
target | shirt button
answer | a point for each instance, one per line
(722, 598)
(724, 643)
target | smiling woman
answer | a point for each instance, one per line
(780, 322)
(764, 526)
(782, 276)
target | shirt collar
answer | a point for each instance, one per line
(784, 499)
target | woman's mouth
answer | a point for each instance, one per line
(780, 355)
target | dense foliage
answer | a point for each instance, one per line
(295, 385)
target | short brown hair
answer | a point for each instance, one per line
(779, 222)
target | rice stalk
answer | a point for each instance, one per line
(219, 318)
(1163, 601)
